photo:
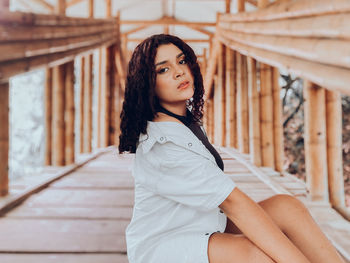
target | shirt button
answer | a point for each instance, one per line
(207, 234)
(161, 138)
(189, 144)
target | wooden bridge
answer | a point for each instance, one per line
(77, 209)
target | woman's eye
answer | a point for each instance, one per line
(182, 61)
(162, 70)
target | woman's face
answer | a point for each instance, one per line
(174, 81)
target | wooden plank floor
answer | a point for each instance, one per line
(82, 217)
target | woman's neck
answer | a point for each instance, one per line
(177, 109)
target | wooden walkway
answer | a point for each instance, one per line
(82, 217)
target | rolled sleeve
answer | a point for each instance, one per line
(190, 178)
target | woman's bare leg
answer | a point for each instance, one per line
(230, 248)
(296, 222)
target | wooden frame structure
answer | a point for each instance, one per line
(30, 41)
(275, 37)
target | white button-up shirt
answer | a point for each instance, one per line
(178, 188)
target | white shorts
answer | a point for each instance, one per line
(187, 248)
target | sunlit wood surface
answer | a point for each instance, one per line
(82, 217)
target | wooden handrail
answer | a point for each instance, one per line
(48, 39)
(311, 45)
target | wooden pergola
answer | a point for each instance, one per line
(247, 50)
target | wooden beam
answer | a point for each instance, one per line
(252, 2)
(192, 40)
(8, 69)
(231, 126)
(333, 25)
(302, 48)
(201, 30)
(334, 148)
(266, 117)
(290, 9)
(166, 21)
(28, 19)
(87, 108)
(263, 3)
(228, 6)
(108, 8)
(4, 138)
(60, 7)
(33, 46)
(91, 8)
(240, 6)
(254, 114)
(136, 29)
(99, 99)
(69, 114)
(58, 128)
(315, 142)
(48, 116)
(45, 4)
(242, 104)
(209, 77)
(26, 5)
(334, 78)
(277, 121)
(73, 2)
(81, 104)
(105, 95)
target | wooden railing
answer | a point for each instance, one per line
(29, 41)
(310, 39)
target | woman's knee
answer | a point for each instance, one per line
(285, 203)
(229, 248)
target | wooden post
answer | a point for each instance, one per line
(277, 121)
(254, 114)
(58, 133)
(4, 138)
(81, 104)
(211, 120)
(91, 8)
(228, 6)
(58, 104)
(242, 104)
(334, 148)
(219, 99)
(48, 116)
(106, 84)
(99, 98)
(88, 90)
(240, 6)
(231, 129)
(108, 8)
(60, 7)
(70, 114)
(266, 117)
(315, 142)
(87, 129)
(262, 3)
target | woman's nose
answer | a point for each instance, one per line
(178, 72)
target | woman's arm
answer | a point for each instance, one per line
(256, 225)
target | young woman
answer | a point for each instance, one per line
(187, 210)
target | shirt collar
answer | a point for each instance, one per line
(178, 133)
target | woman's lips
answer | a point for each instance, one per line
(184, 85)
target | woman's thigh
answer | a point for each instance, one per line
(232, 248)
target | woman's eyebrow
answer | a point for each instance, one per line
(165, 61)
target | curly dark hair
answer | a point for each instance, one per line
(140, 101)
